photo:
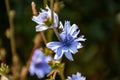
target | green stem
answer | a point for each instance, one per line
(54, 75)
(62, 76)
(57, 34)
(11, 17)
(45, 3)
(43, 37)
(52, 16)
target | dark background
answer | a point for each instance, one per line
(98, 20)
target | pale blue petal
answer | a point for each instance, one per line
(83, 78)
(63, 36)
(67, 26)
(58, 54)
(42, 10)
(54, 45)
(73, 47)
(41, 28)
(37, 53)
(48, 59)
(49, 14)
(40, 73)
(78, 74)
(69, 78)
(43, 16)
(55, 20)
(37, 19)
(74, 76)
(47, 8)
(79, 46)
(31, 69)
(75, 34)
(69, 56)
(45, 67)
(65, 49)
(61, 25)
(73, 29)
(81, 38)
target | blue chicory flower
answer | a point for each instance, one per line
(44, 19)
(69, 42)
(39, 64)
(76, 77)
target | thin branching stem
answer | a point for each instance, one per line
(35, 13)
(52, 16)
(45, 3)
(54, 75)
(11, 17)
(62, 76)
(52, 12)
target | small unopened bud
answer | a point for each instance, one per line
(24, 72)
(12, 14)
(8, 33)
(35, 13)
(2, 53)
(58, 6)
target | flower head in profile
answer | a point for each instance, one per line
(39, 64)
(69, 42)
(76, 77)
(44, 19)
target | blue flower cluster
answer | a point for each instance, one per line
(76, 77)
(69, 43)
(39, 64)
(44, 20)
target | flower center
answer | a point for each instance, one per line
(68, 40)
(44, 16)
(38, 65)
(46, 19)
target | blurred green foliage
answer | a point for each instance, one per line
(98, 20)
